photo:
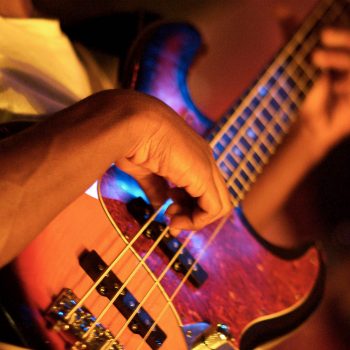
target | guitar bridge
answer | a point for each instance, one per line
(73, 332)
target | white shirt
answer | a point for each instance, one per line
(40, 71)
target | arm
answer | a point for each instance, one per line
(324, 121)
(46, 167)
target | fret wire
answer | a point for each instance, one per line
(293, 96)
(240, 133)
(241, 130)
(278, 98)
(252, 178)
(299, 56)
(312, 75)
(269, 130)
(255, 148)
(308, 26)
(239, 178)
(277, 81)
(283, 84)
(276, 139)
(309, 44)
(300, 59)
(258, 168)
(318, 13)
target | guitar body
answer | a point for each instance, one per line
(259, 291)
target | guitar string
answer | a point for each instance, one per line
(264, 78)
(129, 321)
(221, 222)
(70, 314)
(171, 298)
(291, 47)
(247, 155)
(121, 289)
(312, 76)
(257, 142)
(182, 282)
(125, 283)
(140, 305)
(253, 142)
(253, 90)
(111, 266)
(255, 149)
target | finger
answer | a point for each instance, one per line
(336, 38)
(182, 210)
(210, 201)
(223, 202)
(213, 203)
(154, 186)
(336, 60)
(317, 97)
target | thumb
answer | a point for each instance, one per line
(154, 186)
(317, 99)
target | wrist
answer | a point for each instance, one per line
(314, 145)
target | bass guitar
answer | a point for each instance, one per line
(108, 273)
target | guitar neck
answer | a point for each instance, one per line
(250, 132)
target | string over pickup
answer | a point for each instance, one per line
(169, 244)
(125, 303)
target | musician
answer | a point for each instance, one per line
(52, 163)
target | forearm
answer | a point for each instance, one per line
(49, 165)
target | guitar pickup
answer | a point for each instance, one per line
(169, 244)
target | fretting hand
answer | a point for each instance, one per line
(324, 121)
(326, 111)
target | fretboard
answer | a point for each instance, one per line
(250, 132)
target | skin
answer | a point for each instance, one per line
(16, 8)
(37, 173)
(35, 163)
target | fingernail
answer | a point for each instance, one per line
(173, 210)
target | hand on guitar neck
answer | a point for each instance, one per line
(326, 111)
(324, 122)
